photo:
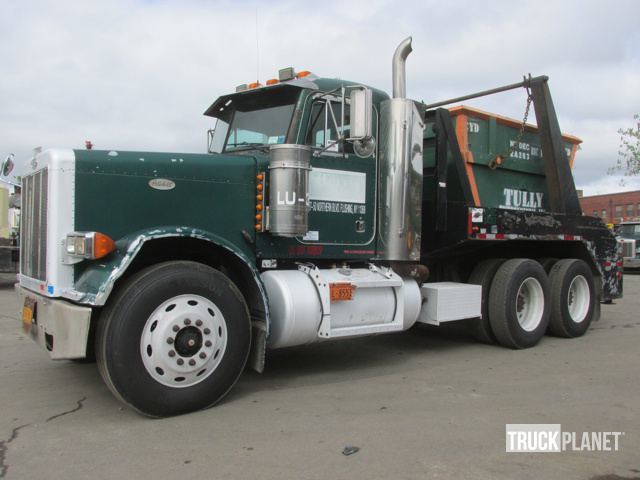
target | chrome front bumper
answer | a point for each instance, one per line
(631, 262)
(60, 327)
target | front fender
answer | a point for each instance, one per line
(97, 279)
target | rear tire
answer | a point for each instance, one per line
(547, 263)
(482, 275)
(573, 299)
(173, 339)
(518, 307)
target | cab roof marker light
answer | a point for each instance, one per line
(254, 85)
(285, 74)
(272, 81)
(302, 74)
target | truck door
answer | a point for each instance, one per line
(342, 183)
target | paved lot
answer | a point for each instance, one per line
(423, 404)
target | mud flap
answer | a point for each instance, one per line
(258, 347)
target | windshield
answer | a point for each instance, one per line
(259, 127)
(252, 120)
(630, 231)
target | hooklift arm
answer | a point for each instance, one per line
(563, 197)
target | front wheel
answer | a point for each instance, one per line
(174, 338)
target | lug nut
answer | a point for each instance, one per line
(208, 343)
(187, 321)
(172, 353)
(180, 361)
(176, 328)
(203, 355)
(207, 331)
(169, 340)
(199, 323)
(192, 362)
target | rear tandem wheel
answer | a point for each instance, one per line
(518, 303)
(573, 299)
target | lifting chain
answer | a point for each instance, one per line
(498, 159)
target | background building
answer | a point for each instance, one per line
(613, 207)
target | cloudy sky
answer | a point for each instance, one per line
(137, 74)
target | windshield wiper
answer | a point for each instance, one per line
(241, 146)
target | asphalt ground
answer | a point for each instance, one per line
(426, 403)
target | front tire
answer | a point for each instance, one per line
(173, 339)
(518, 307)
(573, 299)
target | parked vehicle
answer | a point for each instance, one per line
(630, 233)
(324, 210)
(9, 219)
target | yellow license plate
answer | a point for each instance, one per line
(28, 311)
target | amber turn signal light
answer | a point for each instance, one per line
(102, 245)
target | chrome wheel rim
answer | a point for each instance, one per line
(530, 304)
(183, 341)
(578, 298)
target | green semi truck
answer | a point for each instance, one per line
(324, 209)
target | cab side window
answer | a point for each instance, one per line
(322, 131)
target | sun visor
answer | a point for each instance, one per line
(250, 98)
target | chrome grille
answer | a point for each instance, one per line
(33, 234)
(628, 248)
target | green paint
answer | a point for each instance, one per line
(212, 193)
(338, 237)
(94, 280)
(522, 171)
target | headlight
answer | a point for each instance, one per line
(76, 245)
(88, 245)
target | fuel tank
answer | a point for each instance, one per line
(309, 306)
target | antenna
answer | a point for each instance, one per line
(257, 49)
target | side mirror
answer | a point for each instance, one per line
(7, 165)
(360, 113)
(210, 133)
(216, 136)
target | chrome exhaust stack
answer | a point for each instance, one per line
(400, 200)
(398, 71)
